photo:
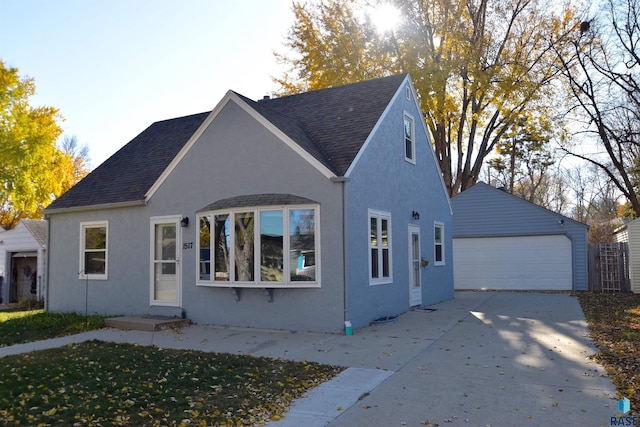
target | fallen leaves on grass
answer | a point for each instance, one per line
(614, 325)
(96, 383)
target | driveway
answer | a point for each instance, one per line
(485, 358)
(498, 359)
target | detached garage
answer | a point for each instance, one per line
(506, 243)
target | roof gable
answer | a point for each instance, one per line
(483, 199)
(326, 127)
(337, 120)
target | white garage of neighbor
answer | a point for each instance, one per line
(22, 261)
(503, 242)
(513, 263)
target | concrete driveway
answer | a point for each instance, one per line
(498, 359)
(485, 358)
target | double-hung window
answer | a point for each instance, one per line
(409, 139)
(94, 250)
(379, 247)
(438, 243)
(267, 246)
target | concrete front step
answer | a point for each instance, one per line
(146, 322)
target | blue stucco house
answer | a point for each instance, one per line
(300, 212)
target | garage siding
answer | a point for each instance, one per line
(630, 234)
(485, 211)
(513, 263)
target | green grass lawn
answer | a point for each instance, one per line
(104, 384)
(20, 326)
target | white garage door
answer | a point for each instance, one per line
(514, 263)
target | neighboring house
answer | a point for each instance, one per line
(629, 233)
(22, 261)
(300, 212)
(501, 241)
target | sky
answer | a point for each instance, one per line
(113, 67)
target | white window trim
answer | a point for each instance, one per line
(287, 283)
(380, 215)
(199, 263)
(441, 225)
(81, 270)
(411, 160)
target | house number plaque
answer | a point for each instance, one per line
(188, 245)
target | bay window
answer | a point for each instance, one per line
(267, 246)
(204, 247)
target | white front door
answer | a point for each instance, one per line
(165, 261)
(415, 282)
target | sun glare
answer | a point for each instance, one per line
(385, 17)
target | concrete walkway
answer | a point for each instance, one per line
(497, 359)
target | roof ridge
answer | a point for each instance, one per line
(181, 117)
(334, 87)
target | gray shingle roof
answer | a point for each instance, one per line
(266, 199)
(336, 121)
(129, 173)
(331, 124)
(38, 229)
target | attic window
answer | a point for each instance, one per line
(407, 92)
(265, 247)
(409, 139)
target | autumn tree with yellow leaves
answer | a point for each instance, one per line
(33, 171)
(479, 66)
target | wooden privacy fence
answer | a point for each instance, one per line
(609, 267)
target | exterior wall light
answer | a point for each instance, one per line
(184, 222)
(415, 215)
